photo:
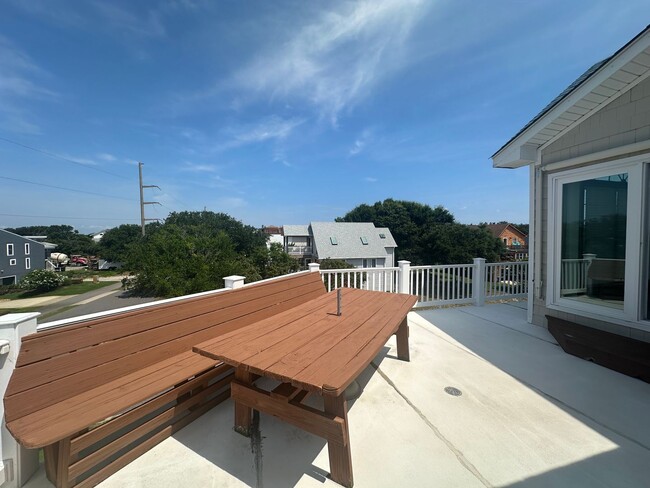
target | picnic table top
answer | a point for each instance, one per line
(310, 346)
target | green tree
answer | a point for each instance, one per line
(193, 251)
(174, 261)
(115, 244)
(274, 261)
(426, 235)
(245, 238)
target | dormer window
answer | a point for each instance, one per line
(364, 240)
(333, 241)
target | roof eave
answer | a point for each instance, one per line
(522, 149)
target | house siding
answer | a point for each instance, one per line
(36, 255)
(624, 121)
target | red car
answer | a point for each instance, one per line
(77, 260)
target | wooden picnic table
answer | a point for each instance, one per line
(311, 349)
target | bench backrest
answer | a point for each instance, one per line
(61, 363)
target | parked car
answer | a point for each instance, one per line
(77, 260)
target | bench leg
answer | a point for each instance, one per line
(63, 466)
(339, 450)
(402, 335)
(243, 414)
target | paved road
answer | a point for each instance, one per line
(107, 298)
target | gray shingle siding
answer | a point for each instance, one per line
(18, 270)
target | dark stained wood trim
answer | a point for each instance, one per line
(613, 351)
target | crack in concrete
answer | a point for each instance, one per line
(459, 455)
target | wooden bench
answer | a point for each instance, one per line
(99, 393)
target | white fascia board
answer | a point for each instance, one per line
(510, 156)
(515, 156)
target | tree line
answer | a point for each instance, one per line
(192, 252)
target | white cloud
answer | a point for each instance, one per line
(370, 179)
(106, 157)
(360, 143)
(20, 85)
(270, 128)
(198, 168)
(333, 61)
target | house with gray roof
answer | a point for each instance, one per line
(18, 256)
(361, 244)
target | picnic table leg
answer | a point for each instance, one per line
(243, 414)
(403, 341)
(339, 449)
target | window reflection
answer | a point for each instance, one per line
(594, 220)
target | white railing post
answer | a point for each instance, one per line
(314, 267)
(478, 282)
(17, 464)
(404, 277)
(233, 282)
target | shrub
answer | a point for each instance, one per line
(42, 280)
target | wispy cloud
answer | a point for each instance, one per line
(360, 143)
(109, 158)
(21, 83)
(269, 128)
(333, 61)
(370, 179)
(198, 168)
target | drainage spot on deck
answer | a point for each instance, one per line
(453, 391)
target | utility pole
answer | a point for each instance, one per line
(143, 220)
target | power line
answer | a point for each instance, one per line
(66, 189)
(63, 158)
(62, 217)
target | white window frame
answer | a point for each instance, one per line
(12, 262)
(12, 251)
(631, 313)
(28, 263)
(27, 249)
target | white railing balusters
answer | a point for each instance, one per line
(451, 283)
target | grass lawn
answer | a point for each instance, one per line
(4, 311)
(75, 289)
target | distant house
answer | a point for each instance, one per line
(274, 234)
(361, 244)
(588, 154)
(18, 256)
(514, 239)
(97, 236)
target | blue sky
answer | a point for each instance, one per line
(281, 112)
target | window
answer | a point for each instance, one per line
(333, 241)
(505, 241)
(28, 263)
(369, 263)
(27, 249)
(10, 249)
(12, 262)
(364, 240)
(596, 218)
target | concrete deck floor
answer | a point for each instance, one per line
(529, 415)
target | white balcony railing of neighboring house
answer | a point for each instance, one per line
(447, 284)
(299, 250)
